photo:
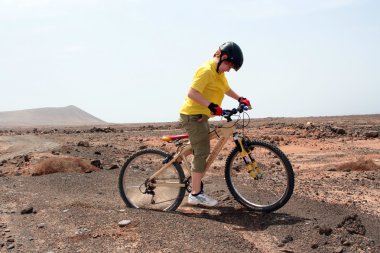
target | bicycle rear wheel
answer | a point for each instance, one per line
(161, 193)
(272, 189)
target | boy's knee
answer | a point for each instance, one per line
(199, 163)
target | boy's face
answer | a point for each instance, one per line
(226, 66)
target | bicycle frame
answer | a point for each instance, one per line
(223, 134)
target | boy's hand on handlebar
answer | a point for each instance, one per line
(244, 101)
(215, 109)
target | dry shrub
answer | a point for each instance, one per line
(67, 164)
(361, 164)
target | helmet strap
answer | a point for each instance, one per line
(219, 63)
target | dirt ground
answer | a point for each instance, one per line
(59, 192)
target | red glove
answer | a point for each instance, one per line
(244, 101)
(215, 109)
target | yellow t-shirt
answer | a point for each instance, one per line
(212, 87)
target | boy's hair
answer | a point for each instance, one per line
(218, 53)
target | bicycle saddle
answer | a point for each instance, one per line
(170, 138)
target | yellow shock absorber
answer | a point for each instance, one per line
(247, 161)
(257, 169)
(249, 168)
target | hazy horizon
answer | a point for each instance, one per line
(54, 118)
(133, 61)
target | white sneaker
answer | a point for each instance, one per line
(201, 199)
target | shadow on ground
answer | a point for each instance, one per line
(246, 220)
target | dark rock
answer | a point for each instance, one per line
(370, 177)
(338, 130)
(371, 134)
(83, 144)
(103, 130)
(309, 126)
(345, 242)
(26, 158)
(27, 210)
(325, 230)
(353, 225)
(96, 163)
(287, 239)
(113, 167)
(11, 246)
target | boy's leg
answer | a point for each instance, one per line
(198, 129)
(196, 179)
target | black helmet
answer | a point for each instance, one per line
(235, 55)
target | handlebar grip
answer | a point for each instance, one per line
(226, 112)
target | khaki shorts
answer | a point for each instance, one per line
(198, 128)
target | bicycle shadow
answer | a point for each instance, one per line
(243, 219)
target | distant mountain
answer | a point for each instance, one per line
(49, 116)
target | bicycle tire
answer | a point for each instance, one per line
(268, 193)
(134, 174)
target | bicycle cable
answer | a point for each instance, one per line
(249, 119)
(236, 121)
(214, 130)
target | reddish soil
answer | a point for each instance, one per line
(46, 206)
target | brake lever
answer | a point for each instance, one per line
(243, 108)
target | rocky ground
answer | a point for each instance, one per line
(59, 192)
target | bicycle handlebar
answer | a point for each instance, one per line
(228, 113)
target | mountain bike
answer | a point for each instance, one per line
(258, 174)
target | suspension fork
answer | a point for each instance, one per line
(249, 160)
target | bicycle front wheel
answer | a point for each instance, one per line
(161, 193)
(271, 189)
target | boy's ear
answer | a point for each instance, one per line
(224, 57)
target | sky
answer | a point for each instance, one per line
(128, 61)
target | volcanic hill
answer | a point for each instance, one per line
(48, 116)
